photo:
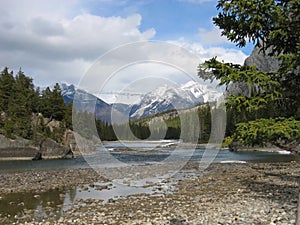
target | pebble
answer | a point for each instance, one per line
(256, 193)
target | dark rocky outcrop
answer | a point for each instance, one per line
(70, 142)
(50, 149)
(18, 148)
(79, 145)
(21, 149)
(72, 145)
(262, 61)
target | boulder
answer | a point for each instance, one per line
(69, 141)
(50, 149)
(18, 148)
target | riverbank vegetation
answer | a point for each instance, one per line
(26, 111)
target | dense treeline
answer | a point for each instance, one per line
(168, 125)
(25, 110)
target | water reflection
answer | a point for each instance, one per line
(51, 203)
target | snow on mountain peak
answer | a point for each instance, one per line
(189, 84)
(168, 97)
(208, 93)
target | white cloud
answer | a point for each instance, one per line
(205, 53)
(54, 45)
(60, 45)
(212, 37)
(144, 61)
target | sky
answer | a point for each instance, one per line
(58, 41)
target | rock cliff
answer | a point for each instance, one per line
(262, 61)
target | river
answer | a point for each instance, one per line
(55, 202)
(142, 157)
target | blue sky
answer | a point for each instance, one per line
(57, 41)
(171, 19)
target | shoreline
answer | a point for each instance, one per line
(162, 148)
(15, 158)
(252, 193)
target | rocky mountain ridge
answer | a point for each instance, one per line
(166, 98)
(163, 98)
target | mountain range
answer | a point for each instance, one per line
(162, 99)
(166, 98)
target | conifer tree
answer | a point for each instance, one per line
(7, 83)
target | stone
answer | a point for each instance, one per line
(262, 61)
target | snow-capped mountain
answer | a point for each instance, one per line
(162, 99)
(89, 102)
(166, 98)
(68, 92)
(208, 93)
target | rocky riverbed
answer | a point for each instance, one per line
(252, 193)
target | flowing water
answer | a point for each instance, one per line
(136, 158)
